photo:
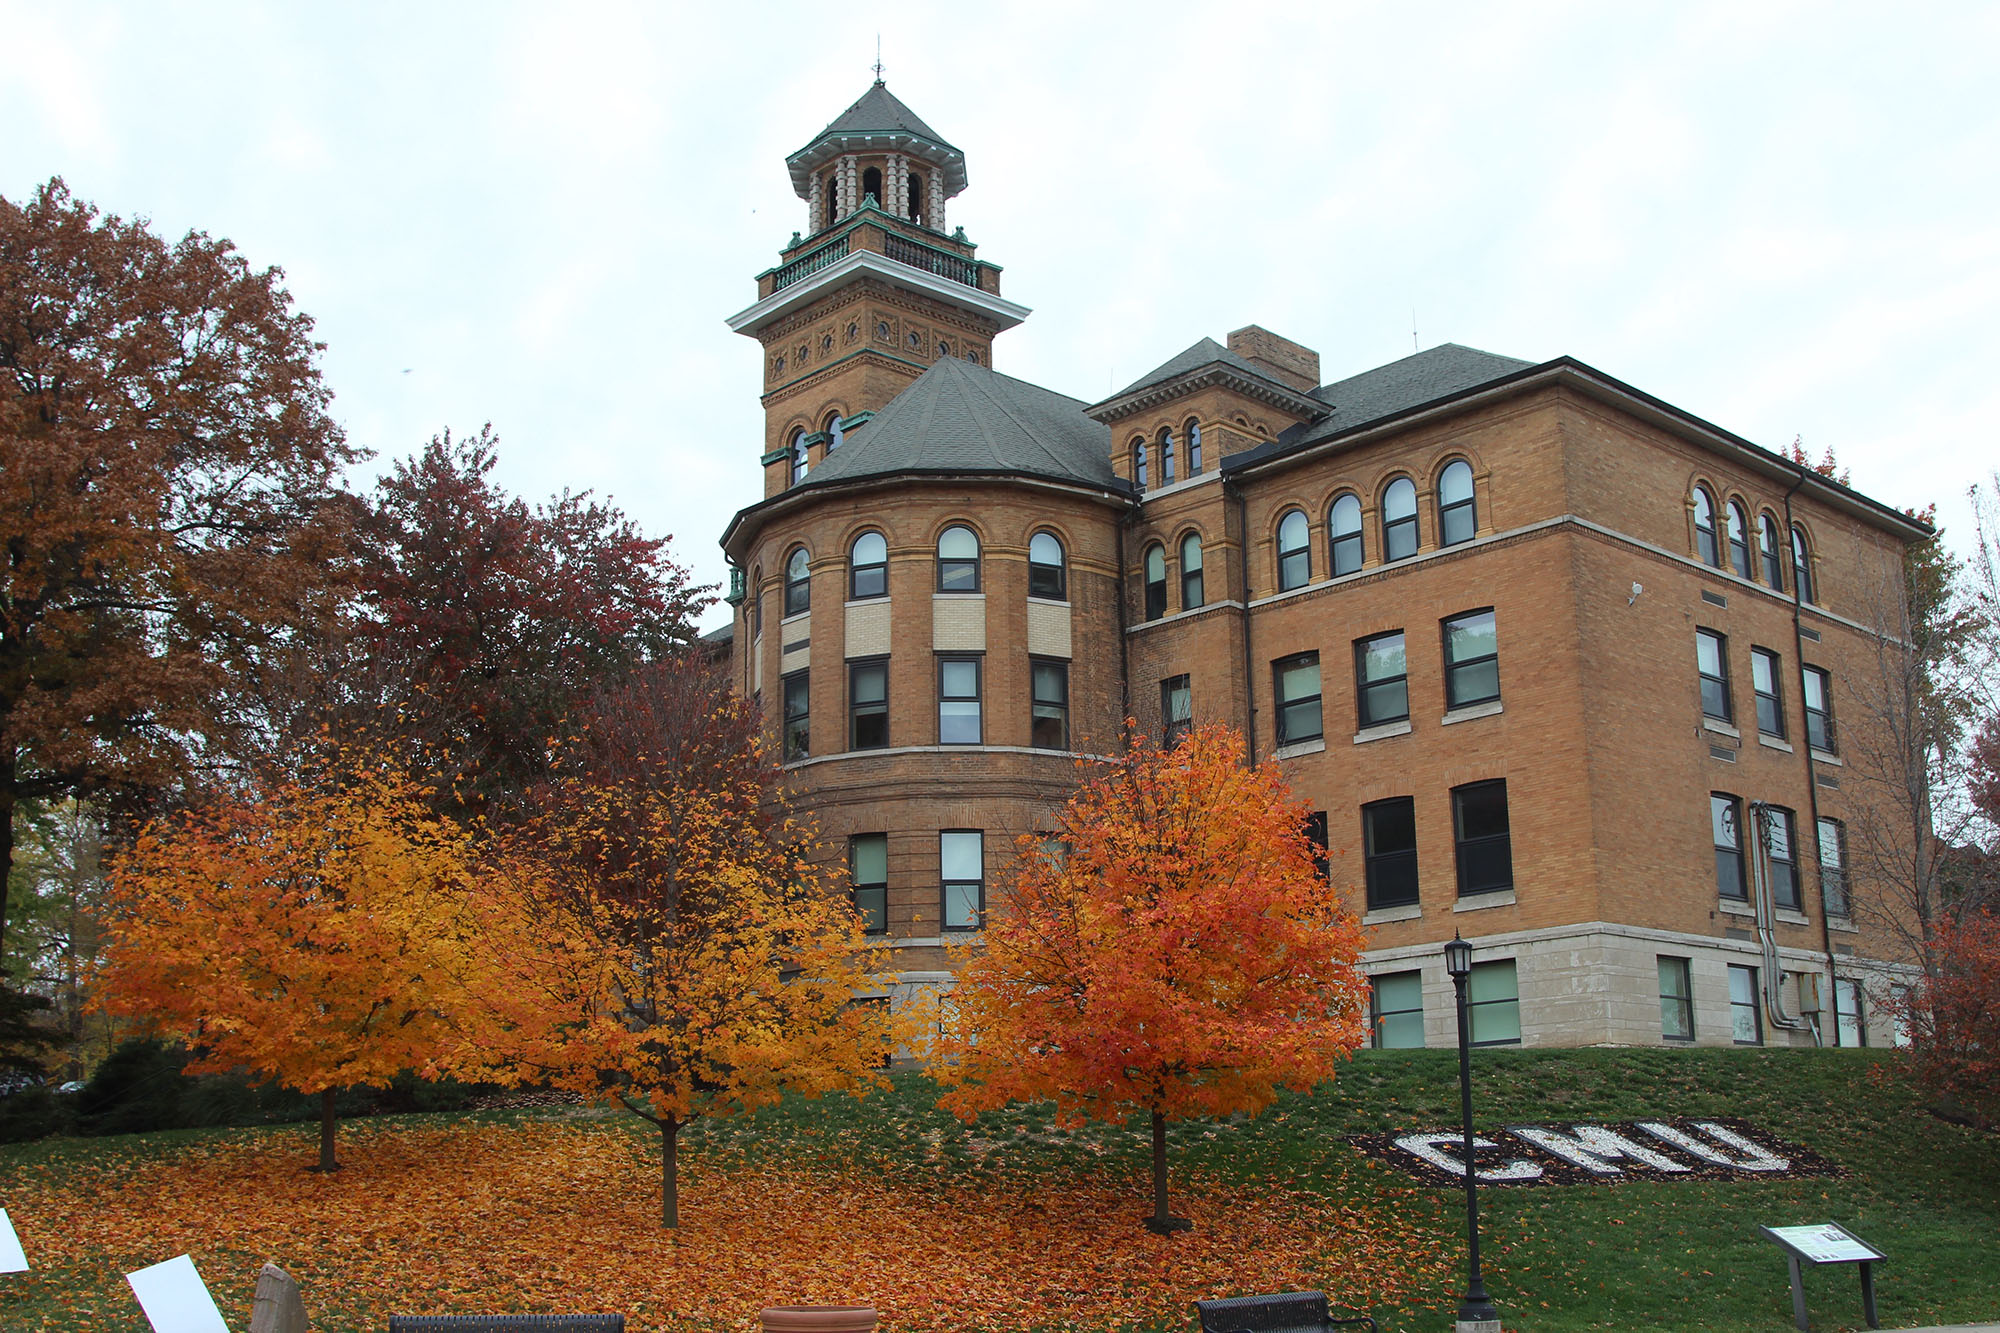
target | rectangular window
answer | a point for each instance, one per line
(1297, 683)
(1848, 1027)
(1784, 861)
(1493, 1004)
(1833, 867)
(1048, 725)
(1396, 1003)
(1315, 831)
(1471, 659)
(958, 701)
(868, 867)
(1176, 710)
(962, 858)
(1676, 1000)
(1819, 711)
(1899, 1018)
(798, 723)
(1389, 840)
(1746, 1018)
(1725, 816)
(1485, 851)
(1770, 700)
(1711, 656)
(1381, 680)
(868, 705)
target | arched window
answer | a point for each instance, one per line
(1772, 550)
(1802, 578)
(868, 567)
(871, 186)
(798, 582)
(1739, 539)
(1704, 528)
(1139, 463)
(829, 198)
(958, 560)
(1046, 576)
(1156, 581)
(1458, 517)
(1191, 595)
(1294, 552)
(799, 460)
(757, 602)
(1193, 432)
(916, 199)
(834, 433)
(1166, 458)
(1399, 520)
(1344, 526)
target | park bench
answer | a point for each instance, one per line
(507, 1323)
(1285, 1312)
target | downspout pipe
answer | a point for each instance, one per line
(1805, 750)
(1231, 490)
(1767, 933)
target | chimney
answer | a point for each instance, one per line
(1280, 358)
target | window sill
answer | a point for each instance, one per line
(921, 941)
(1791, 918)
(1842, 924)
(1466, 714)
(1037, 601)
(1822, 757)
(853, 602)
(796, 617)
(1297, 748)
(1730, 907)
(979, 596)
(1406, 912)
(1498, 898)
(1771, 744)
(1382, 732)
(1720, 728)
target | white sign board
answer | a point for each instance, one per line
(175, 1298)
(13, 1259)
(1826, 1243)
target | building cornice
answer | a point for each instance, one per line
(1002, 314)
(1215, 376)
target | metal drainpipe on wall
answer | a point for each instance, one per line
(1767, 933)
(1243, 602)
(1124, 650)
(1805, 749)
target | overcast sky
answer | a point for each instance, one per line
(1779, 217)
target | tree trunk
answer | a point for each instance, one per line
(1161, 1222)
(670, 1171)
(326, 1127)
(7, 802)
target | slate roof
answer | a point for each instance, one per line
(962, 418)
(1207, 352)
(876, 111)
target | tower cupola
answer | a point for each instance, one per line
(877, 151)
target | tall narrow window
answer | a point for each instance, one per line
(958, 701)
(1297, 683)
(1493, 1004)
(868, 567)
(1832, 839)
(1725, 817)
(1048, 724)
(1849, 1029)
(798, 725)
(1739, 539)
(958, 560)
(1315, 831)
(757, 602)
(1193, 433)
(1711, 662)
(1396, 1004)
(1140, 471)
(1471, 660)
(868, 705)
(917, 199)
(1784, 862)
(1802, 578)
(1343, 524)
(1166, 458)
(835, 432)
(1676, 1000)
(1746, 1017)
(1191, 591)
(1485, 849)
(1764, 684)
(800, 461)
(1705, 544)
(1819, 710)
(962, 860)
(868, 868)
(1382, 682)
(1771, 551)
(798, 582)
(1156, 581)
(1399, 520)
(1176, 710)
(1294, 552)
(1389, 845)
(1047, 575)
(871, 186)
(1458, 518)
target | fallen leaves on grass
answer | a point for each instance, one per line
(558, 1217)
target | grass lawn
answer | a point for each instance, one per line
(1011, 1223)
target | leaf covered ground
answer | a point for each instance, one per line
(1013, 1223)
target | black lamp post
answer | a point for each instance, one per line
(1475, 1311)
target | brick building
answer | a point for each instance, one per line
(1560, 665)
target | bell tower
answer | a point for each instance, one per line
(873, 290)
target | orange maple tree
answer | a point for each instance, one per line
(299, 930)
(1171, 948)
(1953, 1014)
(660, 935)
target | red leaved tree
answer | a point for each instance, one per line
(1169, 950)
(1953, 1016)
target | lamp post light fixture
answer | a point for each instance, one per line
(1475, 1313)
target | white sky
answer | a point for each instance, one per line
(1784, 218)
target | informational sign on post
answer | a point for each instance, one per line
(175, 1298)
(1826, 1243)
(13, 1259)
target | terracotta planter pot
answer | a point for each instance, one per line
(818, 1319)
